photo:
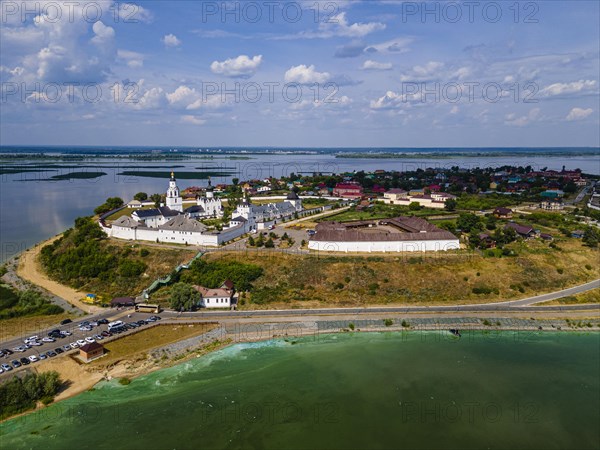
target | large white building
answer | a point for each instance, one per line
(404, 198)
(171, 223)
(260, 217)
(400, 234)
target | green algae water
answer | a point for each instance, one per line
(345, 391)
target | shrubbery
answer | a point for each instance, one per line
(24, 303)
(80, 255)
(20, 394)
(212, 274)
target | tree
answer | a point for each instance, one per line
(414, 206)
(235, 181)
(467, 222)
(140, 197)
(269, 243)
(183, 297)
(591, 237)
(450, 204)
(251, 242)
(156, 198)
(110, 204)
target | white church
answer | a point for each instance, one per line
(171, 223)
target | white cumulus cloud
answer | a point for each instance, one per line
(374, 65)
(102, 33)
(242, 66)
(305, 75)
(170, 40)
(579, 114)
(193, 120)
(568, 88)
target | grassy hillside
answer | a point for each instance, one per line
(311, 281)
(84, 258)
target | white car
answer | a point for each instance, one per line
(93, 324)
(80, 342)
(48, 339)
(85, 328)
(35, 343)
(90, 340)
(74, 344)
(31, 338)
(33, 358)
(98, 337)
(65, 333)
(42, 356)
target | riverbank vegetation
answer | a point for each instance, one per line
(21, 394)
(85, 259)
(14, 303)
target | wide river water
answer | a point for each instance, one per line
(33, 207)
(348, 391)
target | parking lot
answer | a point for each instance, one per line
(17, 354)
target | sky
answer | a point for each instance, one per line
(300, 74)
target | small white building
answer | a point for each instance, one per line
(222, 297)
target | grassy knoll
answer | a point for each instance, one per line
(136, 345)
(592, 296)
(85, 259)
(295, 281)
(28, 325)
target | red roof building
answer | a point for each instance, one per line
(348, 189)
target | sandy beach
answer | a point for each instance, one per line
(30, 269)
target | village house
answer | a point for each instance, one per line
(221, 297)
(525, 231)
(348, 189)
(503, 213)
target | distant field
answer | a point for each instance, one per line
(135, 345)
(28, 325)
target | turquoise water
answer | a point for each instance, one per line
(346, 391)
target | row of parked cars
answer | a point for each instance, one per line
(35, 341)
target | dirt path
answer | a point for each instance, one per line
(30, 269)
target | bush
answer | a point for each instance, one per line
(124, 381)
(560, 270)
(21, 394)
(405, 324)
(484, 290)
(351, 326)
(588, 267)
(388, 322)
(144, 252)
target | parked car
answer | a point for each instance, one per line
(67, 347)
(16, 363)
(43, 356)
(155, 317)
(48, 339)
(66, 321)
(80, 342)
(66, 333)
(34, 343)
(103, 321)
(50, 353)
(53, 332)
(24, 361)
(58, 350)
(106, 334)
(7, 351)
(74, 345)
(98, 337)
(33, 358)
(6, 367)
(89, 339)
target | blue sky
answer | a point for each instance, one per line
(306, 73)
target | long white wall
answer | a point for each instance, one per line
(385, 246)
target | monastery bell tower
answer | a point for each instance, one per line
(174, 200)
